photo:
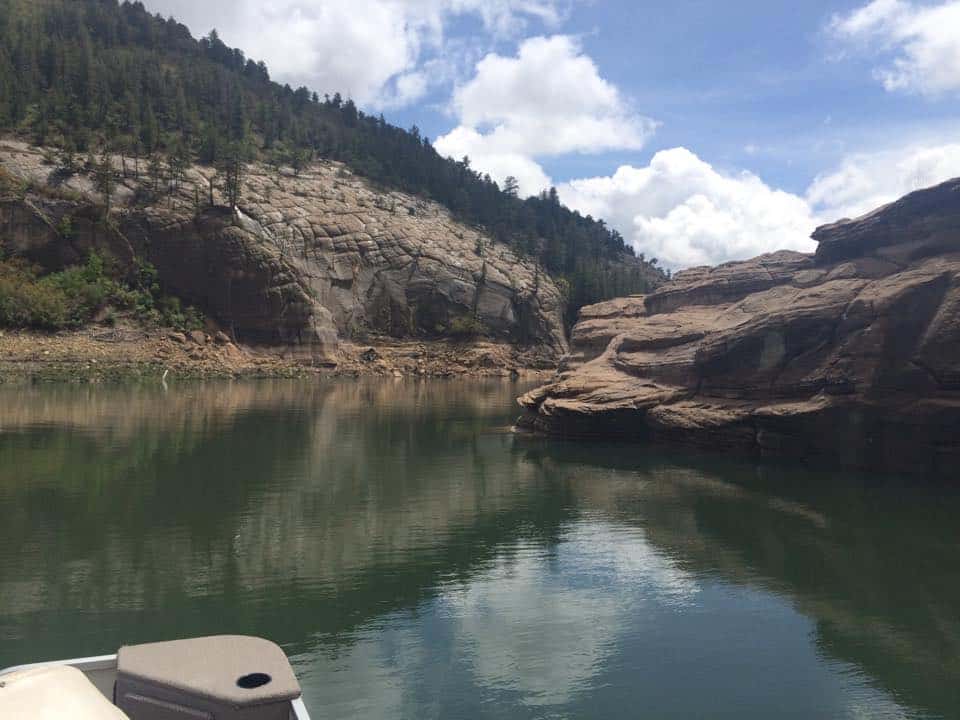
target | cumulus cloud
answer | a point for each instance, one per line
(685, 212)
(371, 50)
(921, 42)
(521, 615)
(547, 100)
(866, 181)
(498, 163)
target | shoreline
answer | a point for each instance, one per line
(97, 354)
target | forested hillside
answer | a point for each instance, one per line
(95, 75)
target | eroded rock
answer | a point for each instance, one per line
(851, 355)
(303, 262)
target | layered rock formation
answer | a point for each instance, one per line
(305, 260)
(851, 355)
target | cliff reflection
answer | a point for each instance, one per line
(871, 560)
(404, 546)
(244, 504)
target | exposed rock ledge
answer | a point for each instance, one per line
(307, 260)
(851, 354)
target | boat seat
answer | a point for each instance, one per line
(53, 692)
(225, 677)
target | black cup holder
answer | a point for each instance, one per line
(253, 680)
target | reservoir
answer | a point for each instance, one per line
(417, 559)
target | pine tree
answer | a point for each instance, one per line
(231, 171)
(105, 181)
(150, 132)
(177, 160)
(299, 159)
(155, 171)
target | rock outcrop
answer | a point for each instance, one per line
(304, 260)
(221, 266)
(851, 355)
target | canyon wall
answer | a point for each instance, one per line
(850, 355)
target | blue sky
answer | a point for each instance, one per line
(703, 131)
(721, 77)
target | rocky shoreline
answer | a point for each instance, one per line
(315, 272)
(850, 356)
(130, 352)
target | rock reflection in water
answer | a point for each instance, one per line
(419, 560)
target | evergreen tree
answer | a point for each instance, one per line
(91, 73)
(299, 159)
(105, 181)
(231, 172)
(155, 171)
(178, 159)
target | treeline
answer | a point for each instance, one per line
(95, 74)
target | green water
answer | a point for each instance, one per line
(418, 560)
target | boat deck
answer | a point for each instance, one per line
(102, 672)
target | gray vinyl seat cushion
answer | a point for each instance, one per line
(213, 668)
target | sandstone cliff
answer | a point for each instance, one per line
(306, 260)
(852, 354)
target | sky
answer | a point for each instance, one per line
(704, 132)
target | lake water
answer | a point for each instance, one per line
(416, 559)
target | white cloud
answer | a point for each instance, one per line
(508, 17)
(516, 619)
(868, 19)
(408, 88)
(685, 212)
(500, 164)
(548, 100)
(370, 50)
(866, 181)
(922, 40)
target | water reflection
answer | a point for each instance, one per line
(500, 617)
(419, 560)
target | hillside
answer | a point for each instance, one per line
(304, 263)
(93, 75)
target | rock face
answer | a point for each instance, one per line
(303, 261)
(398, 264)
(245, 283)
(852, 354)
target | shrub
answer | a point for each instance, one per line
(171, 313)
(71, 297)
(86, 288)
(65, 227)
(466, 326)
(27, 303)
